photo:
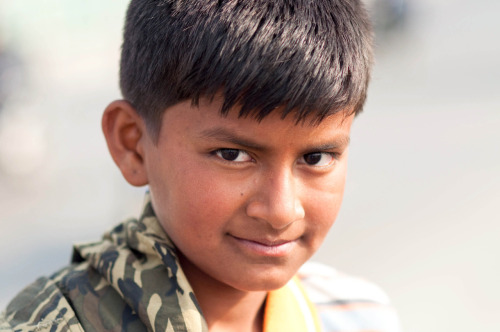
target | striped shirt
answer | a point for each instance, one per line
(345, 303)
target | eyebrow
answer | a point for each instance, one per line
(223, 134)
(342, 141)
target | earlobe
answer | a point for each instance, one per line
(124, 131)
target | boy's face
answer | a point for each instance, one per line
(246, 203)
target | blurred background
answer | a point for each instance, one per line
(420, 215)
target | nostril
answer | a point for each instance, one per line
(276, 215)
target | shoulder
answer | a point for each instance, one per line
(40, 306)
(345, 302)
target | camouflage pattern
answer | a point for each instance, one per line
(129, 281)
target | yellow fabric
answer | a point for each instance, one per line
(288, 309)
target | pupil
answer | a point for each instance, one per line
(312, 158)
(229, 154)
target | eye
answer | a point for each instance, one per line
(318, 159)
(233, 155)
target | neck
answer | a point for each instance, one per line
(237, 312)
(224, 307)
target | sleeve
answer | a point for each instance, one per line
(39, 307)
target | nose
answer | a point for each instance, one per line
(276, 201)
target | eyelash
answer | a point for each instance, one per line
(217, 153)
(333, 155)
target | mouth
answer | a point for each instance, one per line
(266, 247)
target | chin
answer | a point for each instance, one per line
(265, 280)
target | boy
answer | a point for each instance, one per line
(237, 115)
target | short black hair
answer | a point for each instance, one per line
(309, 57)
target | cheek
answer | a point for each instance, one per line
(197, 199)
(323, 212)
(209, 197)
(323, 206)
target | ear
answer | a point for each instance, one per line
(125, 133)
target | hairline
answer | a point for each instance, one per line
(154, 129)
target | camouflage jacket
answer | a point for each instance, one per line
(131, 281)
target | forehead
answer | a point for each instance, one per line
(204, 121)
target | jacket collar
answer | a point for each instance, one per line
(140, 262)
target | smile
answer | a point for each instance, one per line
(276, 248)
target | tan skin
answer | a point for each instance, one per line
(245, 202)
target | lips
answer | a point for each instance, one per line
(266, 247)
